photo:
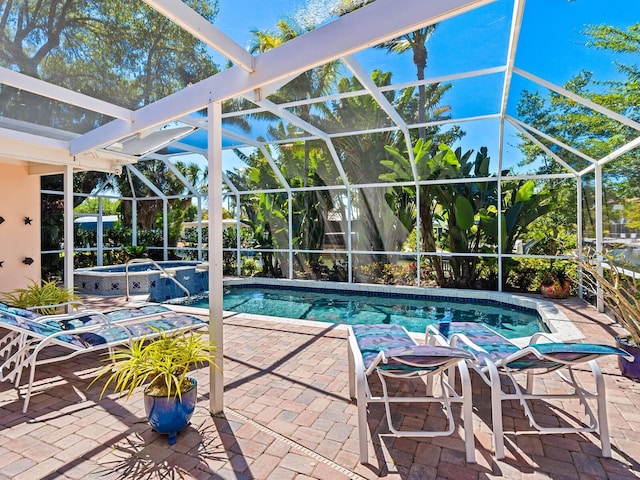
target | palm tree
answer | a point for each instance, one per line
(415, 41)
(311, 84)
(362, 155)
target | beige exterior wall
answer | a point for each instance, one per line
(19, 198)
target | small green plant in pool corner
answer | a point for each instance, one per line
(43, 293)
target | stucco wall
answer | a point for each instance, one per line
(19, 198)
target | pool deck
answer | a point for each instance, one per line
(288, 416)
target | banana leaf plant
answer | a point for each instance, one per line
(469, 209)
(455, 205)
(431, 163)
(268, 223)
(521, 205)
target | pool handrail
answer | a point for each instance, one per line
(157, 265)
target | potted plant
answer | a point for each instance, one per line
(165, 362)
(619, 290)
(554, 282)
(47, 295)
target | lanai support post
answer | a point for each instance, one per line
(100, 234)
(68, 226)
(216, 374)
(199, 229)
(599, 235)
(165, 229)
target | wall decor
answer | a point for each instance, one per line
(27, 220)
(27, 261)
(1, 220)
(1, 263)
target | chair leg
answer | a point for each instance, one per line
(361, 400)
(496, 411)
(467, 412)
(530, 380)
(603, 421)
(352, 372)
(32, 375)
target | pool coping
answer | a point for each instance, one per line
(557, 322)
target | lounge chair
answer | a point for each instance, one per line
(496, 356)
(390, 351)
(78, 335)
(13, 340)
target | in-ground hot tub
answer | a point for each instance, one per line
(144, 278)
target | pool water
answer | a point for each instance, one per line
(142, 267)
(414, 313)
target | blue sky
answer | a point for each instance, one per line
(551, 46)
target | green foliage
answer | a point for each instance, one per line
(632, 214)
(523, 275)
(268, 222)
(164, 362)
(39, 294)
(134, 251)
(467, 211)
(555, 273)
(464, 213)
(584, 129)
(249, 267)
(150, 238)
(520, 207)
(90, 205)
(388, 273)
(619, 289)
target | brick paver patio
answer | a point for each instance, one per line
(288, 416)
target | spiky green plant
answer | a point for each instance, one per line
(39, 294)
(164, 362)
(617, 288)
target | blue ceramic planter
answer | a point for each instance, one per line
(627, 368)
(169, 415)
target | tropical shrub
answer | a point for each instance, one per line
(164, 362)
(40, 294)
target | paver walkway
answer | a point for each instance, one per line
(288, 416)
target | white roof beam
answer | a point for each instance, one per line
(230, 184)
(568, 148)
(238, 137)
(324, 44)
(386, 106)
(146, 181)
(275, 168)
(171, 166)
(581, 100)
(306, 126)
(373, 90)
(633, 144)
(516, 22)
(8, 135)
(252, 142)
(198, 26)
(386, 88)
(514, 36)
(61, 94)
(545, 149)
(446, 78)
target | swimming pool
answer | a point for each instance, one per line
(414, 312)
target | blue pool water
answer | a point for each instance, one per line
(413, 312)
(142, 267)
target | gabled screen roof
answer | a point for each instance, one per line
(328, 78)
